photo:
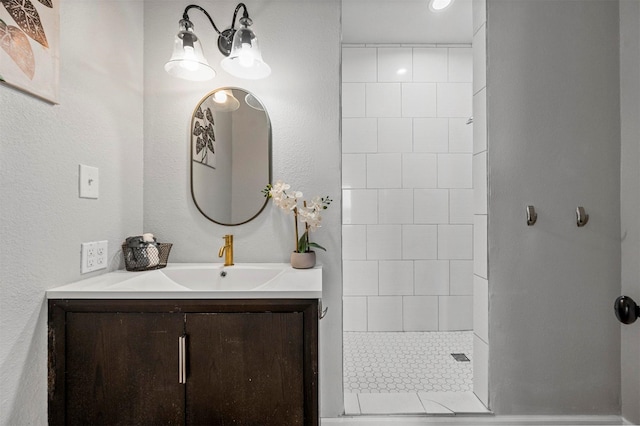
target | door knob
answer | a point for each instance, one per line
(627, 311)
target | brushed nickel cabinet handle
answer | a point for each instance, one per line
(182, 362)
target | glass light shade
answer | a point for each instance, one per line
(253, 102)
(439, 5)
(188, 61)
(224, 101)
(245, 59)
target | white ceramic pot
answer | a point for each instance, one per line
(303, 260)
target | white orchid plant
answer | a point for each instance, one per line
(309, 213)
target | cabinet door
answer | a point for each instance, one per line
(245, 369)
(123, 369)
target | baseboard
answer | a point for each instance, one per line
(474, 420)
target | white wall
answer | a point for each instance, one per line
(42, 220)
(250, 150)
(302, 98)
(407, 188)
(630, 199)
(553, 108)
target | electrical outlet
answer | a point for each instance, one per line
(102, 249)
(94, 256)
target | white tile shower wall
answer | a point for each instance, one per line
(408, 198)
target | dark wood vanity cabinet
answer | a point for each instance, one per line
(247, 362)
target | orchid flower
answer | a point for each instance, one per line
(308, 213)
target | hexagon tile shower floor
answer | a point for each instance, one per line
(387, 362)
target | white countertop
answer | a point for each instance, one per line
(200, 281)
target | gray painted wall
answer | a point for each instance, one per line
(554, 135)
(630, 199)
(42, 220)
(302, 99)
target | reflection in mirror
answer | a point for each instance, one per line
(230, 156)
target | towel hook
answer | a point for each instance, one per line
(322, 312)
(581, 217)
(532, 216)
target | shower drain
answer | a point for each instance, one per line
(460, 357)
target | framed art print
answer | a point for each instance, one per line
(29, 41)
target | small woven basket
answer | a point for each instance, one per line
(149, 257)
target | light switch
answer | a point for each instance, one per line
(89, 182)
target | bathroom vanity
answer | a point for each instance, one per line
(125, 351)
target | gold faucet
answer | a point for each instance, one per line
(227, 249)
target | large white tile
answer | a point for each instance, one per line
(480, 183)
(481, 307)
(353, 100)
(454, 100)
(455, 171)
(419, 242)
(480, 121)
(458, 402)
(481, 369)
(359, 64)
(359, 135)
(420, 313)
(351, 404)
(360, 278)
(396, 277)
(395, 135)
(354, 242)
(419, 170)
(455, 313)
(430, 64)
(354, 171)
(431, 206)
(460, 135)
(455, 242)
(390, 403)
(384, 313)
(384, 242)
(461, 278)
(460, 65)
(395, 206)
(383, 99)
(480, 245)
(354, 313)
(461, 206)
(359, 206)
(479, 59)
(419, 100)
(430, 135)
(384, 170)
(431, 277)
(395, 64)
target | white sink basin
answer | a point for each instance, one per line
(230, 278)
(200, 281)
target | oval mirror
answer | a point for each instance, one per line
(230, 156)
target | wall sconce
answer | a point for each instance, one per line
(439, 5)
(239, 46)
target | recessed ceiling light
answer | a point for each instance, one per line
(439, 5)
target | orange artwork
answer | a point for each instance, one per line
(29, 34)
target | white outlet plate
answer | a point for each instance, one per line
(102, 250)
(94, 256)
(89, 182)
